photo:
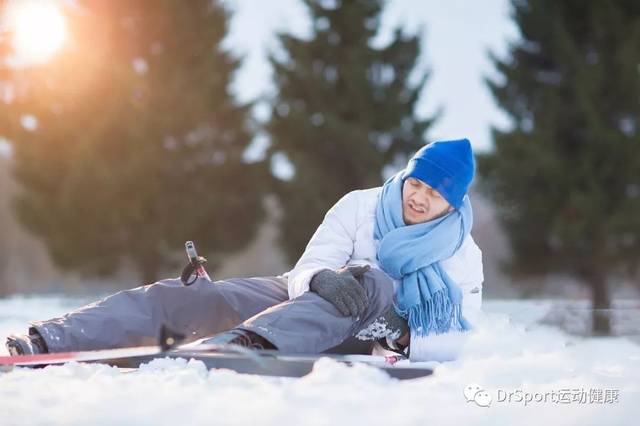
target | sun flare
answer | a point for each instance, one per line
(38, 29)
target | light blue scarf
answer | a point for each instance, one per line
(427, 297)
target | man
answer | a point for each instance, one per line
(394, 264)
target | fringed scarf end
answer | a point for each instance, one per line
(437, 315)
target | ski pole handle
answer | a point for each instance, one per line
(196, 260)
(196, 264)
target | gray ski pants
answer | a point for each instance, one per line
(306, 324)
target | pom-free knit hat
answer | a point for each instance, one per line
(446, 166)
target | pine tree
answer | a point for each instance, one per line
(566, 177)
(343, 111)
(139, 143)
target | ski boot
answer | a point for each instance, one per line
(30, 344)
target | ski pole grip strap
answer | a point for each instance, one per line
(189, 270)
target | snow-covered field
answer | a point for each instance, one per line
(585, 381)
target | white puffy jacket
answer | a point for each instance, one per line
(345, 237)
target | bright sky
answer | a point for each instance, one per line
(456, 35)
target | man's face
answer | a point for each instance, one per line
(421, 203)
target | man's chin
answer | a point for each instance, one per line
(409, 221)
(414, 221)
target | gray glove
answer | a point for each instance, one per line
(342, 289)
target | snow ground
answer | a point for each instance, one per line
(510, 351)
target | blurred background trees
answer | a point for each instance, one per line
(343, 111)
(566, 178)
(128, 142)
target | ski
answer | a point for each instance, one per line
(272, 363)
(241, 360)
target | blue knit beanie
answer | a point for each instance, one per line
(446, 166)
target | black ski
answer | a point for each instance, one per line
(267, 363)
(272, 363)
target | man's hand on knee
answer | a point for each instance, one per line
(342, 289)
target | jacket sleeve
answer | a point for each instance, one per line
(330, 247)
